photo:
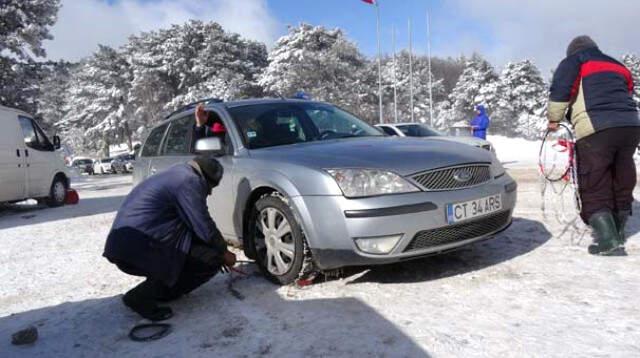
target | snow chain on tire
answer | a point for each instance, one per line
(308, 267)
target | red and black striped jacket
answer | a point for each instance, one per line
(594, 91)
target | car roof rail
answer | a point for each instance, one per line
(193, 105)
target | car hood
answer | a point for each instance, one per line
(465, 140)
(403, 156)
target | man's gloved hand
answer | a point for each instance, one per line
(201, 115)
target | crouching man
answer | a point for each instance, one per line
(595, 92)
(163, 232)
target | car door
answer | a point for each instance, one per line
(177, 148)
(13, 174)
(149, 151)
(39, 157)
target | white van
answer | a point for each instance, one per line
(30, 167)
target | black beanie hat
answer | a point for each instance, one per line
(580, 43)
(211, 169)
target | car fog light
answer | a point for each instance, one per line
(378, 245)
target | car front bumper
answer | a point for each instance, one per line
(332, 223)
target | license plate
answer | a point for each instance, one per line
(472, 209)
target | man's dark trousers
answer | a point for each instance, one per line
(606, 170)
(200, 266)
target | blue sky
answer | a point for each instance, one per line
(502, 30)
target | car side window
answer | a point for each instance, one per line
(33, 136)
(152, 145)
(179, 136)
(389, 130)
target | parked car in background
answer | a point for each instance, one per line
(122, 164)
(423, 130)
(30, 166)
(307, 185)
(83, 165)
(102, 166)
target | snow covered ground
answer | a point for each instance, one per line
(516, 152)
(532, 291)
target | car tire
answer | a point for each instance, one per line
(57, 193)
(280, 256)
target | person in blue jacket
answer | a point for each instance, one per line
(480, 123)
(164, 232)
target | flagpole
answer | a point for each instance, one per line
(430, 75)
(395, 75)
(377, 2)
(411, 72)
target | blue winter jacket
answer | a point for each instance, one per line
(154, 228)
(480, 123)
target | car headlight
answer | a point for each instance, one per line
(497, 170)
(357, 183)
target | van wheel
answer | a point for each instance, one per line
(276, 236)
(57, 193)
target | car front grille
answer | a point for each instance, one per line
(449, 178)
(461, 232)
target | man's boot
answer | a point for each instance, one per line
(142, 300)
(607, 241)
(621, 218)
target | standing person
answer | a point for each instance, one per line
(480, 123)
(594, 91)
(163, 232)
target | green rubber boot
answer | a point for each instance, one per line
(621, 218)
(607, 241)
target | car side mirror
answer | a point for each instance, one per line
(56, 142)
(211, 145)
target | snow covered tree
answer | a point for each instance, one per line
(420, 88)
(24, 24)
(320, 62)
(188, 62)
(54, 93)
(99, 102)
(476, 85)
(519, 105)
(633, 64)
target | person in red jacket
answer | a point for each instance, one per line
(594, 92)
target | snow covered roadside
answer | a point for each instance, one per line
(532, 291)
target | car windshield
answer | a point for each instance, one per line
(274, 124)
(106, 160)
(82, 162)
(419, 130)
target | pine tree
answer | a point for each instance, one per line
(53, 93)
(320, 62)
(477, 85)
(25, 24)
(99, 102)
(420, 88)
(520, 102)
(190, 62)
(633, 64)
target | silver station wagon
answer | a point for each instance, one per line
(308, 186)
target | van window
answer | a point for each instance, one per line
(34, 137)
(154, 140)
(177, 142)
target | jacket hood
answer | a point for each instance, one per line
(482, 110)
(403, 156)
(579, 44)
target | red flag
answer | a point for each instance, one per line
(371, 2)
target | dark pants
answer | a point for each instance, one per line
(606, 170)
(200, 266)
